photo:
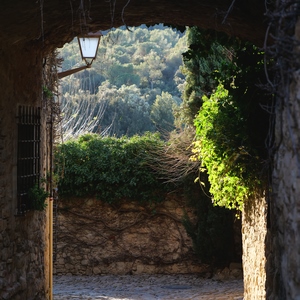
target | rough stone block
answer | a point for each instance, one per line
(96, 270)
(84, 262)
(157, 241)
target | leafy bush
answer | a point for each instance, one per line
(37, 197)
(109, 168)
(224, 89)
(223, 149)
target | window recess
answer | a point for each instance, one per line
(29, 156)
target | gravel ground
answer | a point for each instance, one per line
(145, 287)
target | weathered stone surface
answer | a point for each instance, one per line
(49, 24)
(254, 229)
(22, 242)
(97, 238)
(284, 239)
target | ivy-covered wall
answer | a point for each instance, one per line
(115, 169)
(94, 237)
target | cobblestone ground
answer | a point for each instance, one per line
(145, 287)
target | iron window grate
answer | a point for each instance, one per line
(28, 163)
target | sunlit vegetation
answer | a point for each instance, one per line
(110, 168)
(202, 91)
(227, 108)
(133, 87)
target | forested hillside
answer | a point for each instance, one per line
(134, 85)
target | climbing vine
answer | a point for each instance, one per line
(233, 120)
(222, 148)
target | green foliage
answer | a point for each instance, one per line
(131, 69)
(109, 168)
(223, 78)
(47, 92)
(128, 110)
(120, 74)
(222, 148)
(37, 197)
(244, 79)
(203, 61)
(162, 112)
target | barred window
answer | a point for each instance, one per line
(28, 163)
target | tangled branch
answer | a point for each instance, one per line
(173, 161)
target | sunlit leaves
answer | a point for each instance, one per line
(109, 168)
(221, 147)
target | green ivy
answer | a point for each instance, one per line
(47, 92)
(37, 197)
(223, 148)
(224, 89)
(109, 168)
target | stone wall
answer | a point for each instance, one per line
(283, 265)
(129, 238)
(23, 246)
(254, 233)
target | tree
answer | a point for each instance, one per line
(128, 112)
(162, 112)
(205, 57)
(122, 74)
(152, 75)
(146, 60)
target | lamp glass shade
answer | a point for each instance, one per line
(88, 46)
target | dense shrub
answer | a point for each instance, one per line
(109, 168)
(222, 148)
(224, 90)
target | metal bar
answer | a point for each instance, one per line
(28, 165)
(72, 71)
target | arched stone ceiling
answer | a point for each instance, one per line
(51, 23)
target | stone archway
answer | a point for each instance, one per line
(32, 29)
(50, 24)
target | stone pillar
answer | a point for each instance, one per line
(254, 231)
(23, 243)
(284, 267)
